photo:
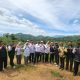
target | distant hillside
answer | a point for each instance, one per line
(25, 37)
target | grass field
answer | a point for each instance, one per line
(37, 72)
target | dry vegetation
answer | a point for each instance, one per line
(37, 72)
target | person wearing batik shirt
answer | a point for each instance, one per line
(62, 51)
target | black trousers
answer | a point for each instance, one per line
(67, 62)
(71, 63)
(18, 59)
(62, 62)
(42, 57)
(11, 60)
(3, 63)
(57, 58)
(52, 58)
(26, 60)
(46, 57)
(31, 58)
(76, 67)
(37, 57)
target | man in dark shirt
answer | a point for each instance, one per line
(3, 56)
(52, 52)
(11, 54)
(77, 59)
(69, 58)
(56, 51)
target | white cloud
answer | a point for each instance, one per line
(13, 22)
(55, 13)
(51, 11)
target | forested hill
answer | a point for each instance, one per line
(23, 37)
(46, 38)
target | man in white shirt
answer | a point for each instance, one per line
(26, 53)
(47, 51)
(42, 50)
(37, 53)
(32, 51)
(18, 53)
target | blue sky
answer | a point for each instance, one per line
(40, 17)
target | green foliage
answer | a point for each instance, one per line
(9, 38)
(55, 74)
(28, 67)
(6, 40)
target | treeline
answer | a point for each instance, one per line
(9, 38)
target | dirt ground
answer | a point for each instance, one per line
(37, 72)
(41, 71)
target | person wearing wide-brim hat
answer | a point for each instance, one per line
(77, 59)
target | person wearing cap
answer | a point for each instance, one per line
(18, 53)
(26, 53)
(42, 50)
(3, 56)
(76, 59)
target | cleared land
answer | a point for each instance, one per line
(37, 72)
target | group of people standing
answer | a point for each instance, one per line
(50, 52)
